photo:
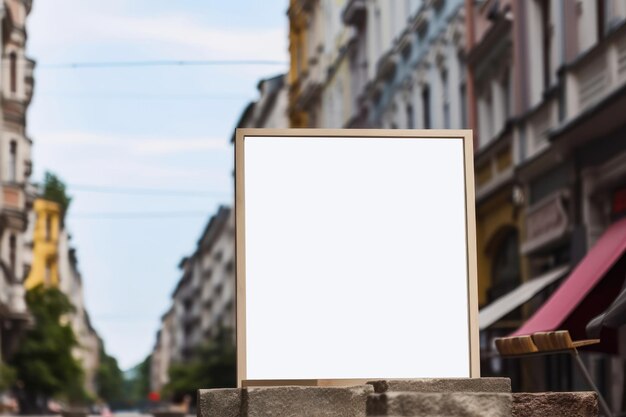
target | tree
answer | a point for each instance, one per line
(7, 376)
(136, 386)
(109, 378)
(54, 190)
(212, 366)
(44, 362)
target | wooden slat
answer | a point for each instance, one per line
(540, 343)
(583, 343)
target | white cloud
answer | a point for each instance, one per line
(184, 32)
(106, 159)
(180, 35)
(138, 145)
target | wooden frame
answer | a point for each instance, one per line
(470, 232)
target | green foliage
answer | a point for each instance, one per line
(44, 361)
(54, 190)
(7, 376)
(109, 378)
(212, 366)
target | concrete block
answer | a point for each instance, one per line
(443, 385)
(224, 402)
(555, 404)
(306, 401)
(461, 404)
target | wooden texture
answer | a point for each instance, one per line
(541, 343)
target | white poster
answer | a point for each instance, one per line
(355, 256)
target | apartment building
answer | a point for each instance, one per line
(542, 84)
(203, 302)
(16, 86)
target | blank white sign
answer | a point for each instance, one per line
(356, 258)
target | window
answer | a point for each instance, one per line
(13, 161)
(488, 130)
(618, 204)
(506, 89)
(506, 266)
(48, 274)
(445, 99)
(410, 118)
(546, 34)
(379, 32)
(463, 104)
(48, 227)
(601, 14)
(12, 253)
(299, 46)
(426, 106)
(13, 71)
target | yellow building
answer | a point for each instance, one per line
(45, 268)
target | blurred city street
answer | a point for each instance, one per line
(117, 198)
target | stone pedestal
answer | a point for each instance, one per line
(465, 404)
(443, 385)
(555, 404)
(483, 397)
(285, 402)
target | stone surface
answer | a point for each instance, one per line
(443, 385)
(224, 402)
(460, 404)
(306, 401)
(555, 404)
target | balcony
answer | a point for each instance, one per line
(421, 20)
(12, 197)
(434, 3)
(311, 85)
(29, 79)
(14, 109)
(12, 295)
(405, 43)
(354, 13)
(494, 166)
(597, 74)
(387, 65)
(306, 5)
(546, 222)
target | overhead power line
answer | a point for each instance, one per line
(142, 96)
(137, 215)
(146, 191)
(163, 63)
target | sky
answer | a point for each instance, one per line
(143, 132)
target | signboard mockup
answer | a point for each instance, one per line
(355, 255)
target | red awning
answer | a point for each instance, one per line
(585, 293)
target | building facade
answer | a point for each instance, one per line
(548, 81)
(53, 263)
(542, 85)
(71, 283)
(203, 302)
(162, 354)
(16, 86)
(376, 63)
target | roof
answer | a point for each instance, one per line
(268, 90)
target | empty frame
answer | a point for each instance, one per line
(355, 255)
